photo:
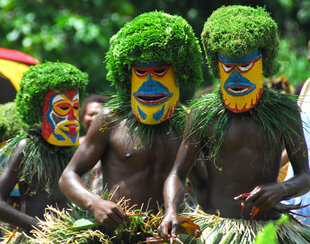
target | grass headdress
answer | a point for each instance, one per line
(235, 31)
(152, 37)
(41, 78)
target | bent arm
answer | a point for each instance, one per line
(298, 155)
(267, 196)
(8, 180)
(174, 187)
(84, 159)
(198, 178)
(87, 155)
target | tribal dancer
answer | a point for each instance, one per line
(137, 134)
(48, 102)
(241, 128)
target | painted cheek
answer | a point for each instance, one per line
(255, 75)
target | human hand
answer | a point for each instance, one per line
(264, 196)
(108, 213)
(169, 225)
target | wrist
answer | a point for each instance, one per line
(91, 202)
(284, 191)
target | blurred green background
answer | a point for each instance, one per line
(78, 31)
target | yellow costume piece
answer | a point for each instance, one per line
(241, 81)
(154, 93)
(13, 71)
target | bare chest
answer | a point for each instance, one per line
(244, 132)
(247, 148)
(143, 151)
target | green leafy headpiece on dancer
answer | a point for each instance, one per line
(48, 102)
(41, 78)
(235, 31)
(241, 44)
(149, 60)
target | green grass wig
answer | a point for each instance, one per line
(41, 78)
(153, 37)
(235, 31)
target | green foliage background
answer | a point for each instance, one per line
(78, 31)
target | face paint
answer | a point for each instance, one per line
(60, 123)
(154, 94)
(241, 81)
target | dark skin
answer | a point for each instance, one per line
(131, 169)
(242, 169)
(32, 206)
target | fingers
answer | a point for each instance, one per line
(174, 229)
(266, 202)
(262, 198)
(163, 230)
(168, 228)
(110, 215)
(253, 195)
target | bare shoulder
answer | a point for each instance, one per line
(17, 154)
(106, 116)
(9, 177)
(101, 126)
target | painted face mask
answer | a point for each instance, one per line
(241, 81)
(154, 94)
(60, 122)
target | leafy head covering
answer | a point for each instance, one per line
(235, 31)
(153, 37)
(41, 78)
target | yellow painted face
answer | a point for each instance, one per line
(241, 81)
(60, 123)
(154, 93)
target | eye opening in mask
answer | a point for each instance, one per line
(227, 67)
(64, 108)
(245, 67)
(140, 72)
(159, 71)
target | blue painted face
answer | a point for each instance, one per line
(241, 80)
(154, 94)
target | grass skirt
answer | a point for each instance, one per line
(218, 230)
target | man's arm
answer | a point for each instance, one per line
(174, 187)
(8, 180)
(298, 154)
(87, 155)
(266, 196)
(198, 177)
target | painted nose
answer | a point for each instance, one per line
(149, 82)
(71, 115)
(235, 76)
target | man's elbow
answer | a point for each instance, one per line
(63, 181)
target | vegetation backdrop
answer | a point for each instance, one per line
(78, 32)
